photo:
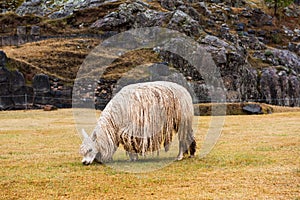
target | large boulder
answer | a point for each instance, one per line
(35, 7)
(281, 57)
(253, 109)
(239, 78)
(5, 81)
(171, 4)
(280, 87)
(294, 47)
(253, 43)
(57, 9)
(184, 23)
(41, 83)
(203, 9)
(217, 42)
(259, 18)
(131, 15)
(13, 92)
(139, 14)
(3, 59)
(5, 92)
(151, 18)
(17, 80)
(287, 59)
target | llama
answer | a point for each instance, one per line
(142, 117)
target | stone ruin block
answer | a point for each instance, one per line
(23, 97)
(34, 34)
(3, 59)
(5, 77)
(35, 31)
(21, 30)
(6, 102)
(9, 40)
(17, 80)
(6, 41)
(41, 83)
(41, 87)
(21, 33)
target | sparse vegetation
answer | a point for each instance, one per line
(278, 4)
(268, 53)
(257, 63)
(10, 4)
(276, 38)
(129, 61)
(257, 156)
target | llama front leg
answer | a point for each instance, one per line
(181, 151)
(133, 156)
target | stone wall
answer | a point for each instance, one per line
(24, 35)
(32, 34)
(15, 94)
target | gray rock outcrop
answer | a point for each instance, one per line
(279, 87)
(11, 85)
(234, 38)
(58, 9)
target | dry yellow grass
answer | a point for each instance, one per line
(132, 62)
(257, 157)
(52, 56)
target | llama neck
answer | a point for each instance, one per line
(105, 137)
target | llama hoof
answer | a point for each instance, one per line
(179, 158)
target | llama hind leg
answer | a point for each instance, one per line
(192, 148)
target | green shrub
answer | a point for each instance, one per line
(276, 38)
(268, 53)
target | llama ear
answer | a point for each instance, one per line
(84, 134)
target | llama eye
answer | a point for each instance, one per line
(90, 150)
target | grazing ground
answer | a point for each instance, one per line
(257, 157)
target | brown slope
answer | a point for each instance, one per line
(60, 58)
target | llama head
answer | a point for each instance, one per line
(88, 149)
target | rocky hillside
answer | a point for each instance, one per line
(257, 54)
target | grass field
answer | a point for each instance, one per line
(257, 157)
